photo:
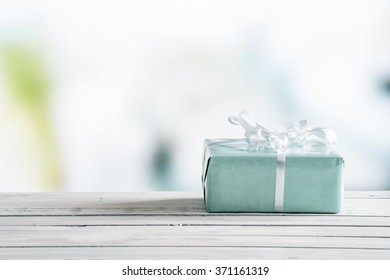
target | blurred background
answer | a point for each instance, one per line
(119, 95)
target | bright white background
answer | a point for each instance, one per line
(135, 87)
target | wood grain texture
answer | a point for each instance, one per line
(192, 253)
(175, 225)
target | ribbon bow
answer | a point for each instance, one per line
(291, 136)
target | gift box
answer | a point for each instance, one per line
(293, 170)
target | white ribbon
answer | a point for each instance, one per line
(291, 137)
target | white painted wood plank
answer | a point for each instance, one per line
(166, 203)
(367, 194)
(100, 203)
(157, 195)
(171, 232)
(184, 237)
(205, 253)
(176, 225)
(168, 220)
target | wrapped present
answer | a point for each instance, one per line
(293, 170)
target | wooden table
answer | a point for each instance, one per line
(175, 225)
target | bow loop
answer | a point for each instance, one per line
(291, 136)
(252, 129)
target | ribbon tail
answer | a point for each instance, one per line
(279, 188)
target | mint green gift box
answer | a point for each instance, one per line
(238, 179)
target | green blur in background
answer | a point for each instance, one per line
(28, 87)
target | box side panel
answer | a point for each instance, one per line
(241, 184)
(313, 184)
